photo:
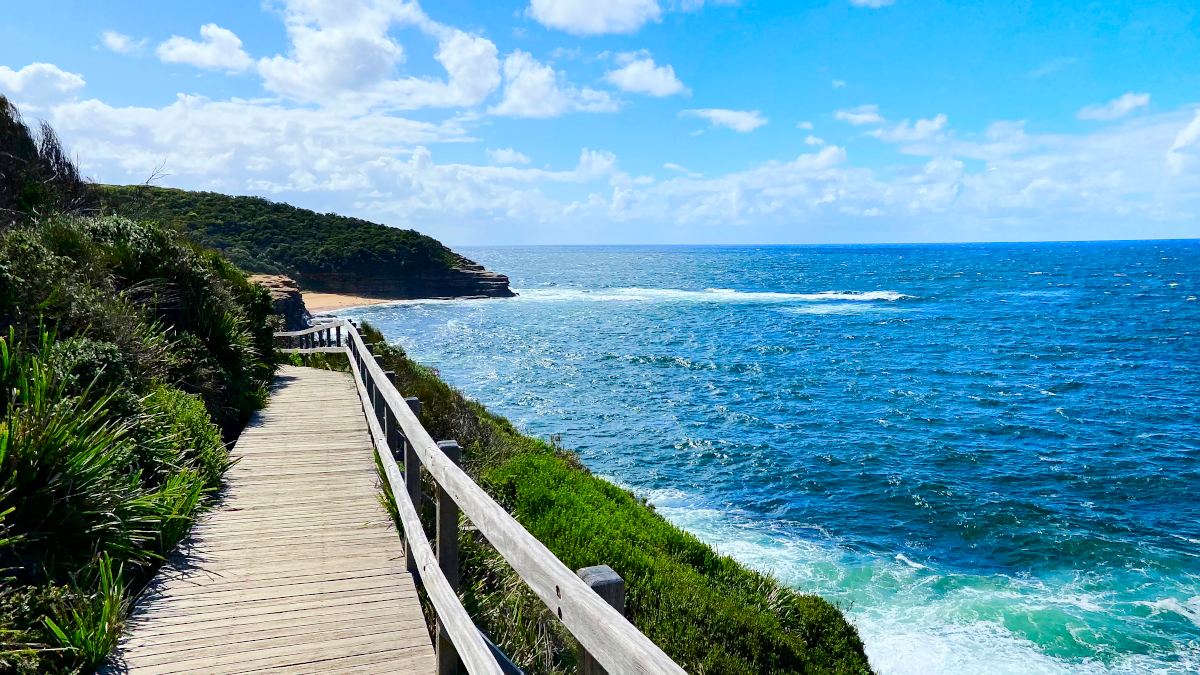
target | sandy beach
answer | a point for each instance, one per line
(319, 303)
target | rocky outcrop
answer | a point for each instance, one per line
(466, 279)
(285, 294)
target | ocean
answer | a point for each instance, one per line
(988, 455)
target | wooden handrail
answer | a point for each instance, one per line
(474, 652)
(601, 630)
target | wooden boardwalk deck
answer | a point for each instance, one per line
(298, 568)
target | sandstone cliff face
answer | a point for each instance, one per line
(467, 279)
(285, 294)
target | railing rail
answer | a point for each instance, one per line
(602, 631)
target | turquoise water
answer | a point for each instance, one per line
(990, 455)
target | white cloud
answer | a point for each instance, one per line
(858, 116)
(1020, 184)
(739, 120)
(343, 51)
(534, 89)
(672, 166)
(1116, 108)
(595, 164)
(121, 43)
(1052, 66)
(506, 156)
(814, 141)
(1184, 146)
(587, 17)
(218, 49)
(838, 84)
(804, 125)
(39, 84)
(233, 145)
(904, 132)
(643, 76)
(873, 4)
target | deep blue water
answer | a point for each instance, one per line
(989, 454)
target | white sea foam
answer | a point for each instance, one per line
(716, 295)
(900, 557)
(1189, 609)
(908, 625)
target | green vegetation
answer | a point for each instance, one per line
(322, 251)
(128, 357)
(706, 611)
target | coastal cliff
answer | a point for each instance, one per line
(321, 251)
(464, 278)
(286, 299)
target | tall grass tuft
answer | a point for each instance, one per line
(87, 623)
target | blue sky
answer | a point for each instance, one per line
(641, 121)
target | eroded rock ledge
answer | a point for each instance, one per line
(286, 296)
(467, 279)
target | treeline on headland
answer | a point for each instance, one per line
(705, 610)
(322, 251)
(128, 357)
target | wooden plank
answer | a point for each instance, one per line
(298, 568)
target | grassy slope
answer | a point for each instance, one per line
(707, 611)
(263, 236)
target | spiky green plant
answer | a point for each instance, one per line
(87, 623)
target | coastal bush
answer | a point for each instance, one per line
(128, 358)
(708, 612)
(321, 250)
(36, 173)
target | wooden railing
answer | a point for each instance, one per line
(591, 610)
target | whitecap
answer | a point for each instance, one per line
(900, 557)
(724, 295)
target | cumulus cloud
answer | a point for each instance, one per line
(873, 4)
(534, 89)
(343, 51)
(742, 121)
(506, 156)
(905, 132)
(587, 17)
(39, 84)
(121, 43)
(237, 145)
(1116, 108)
(643, 76)
(813, 140)
(218, 49)
(838, 84)
(1019, 184)
(860, 115)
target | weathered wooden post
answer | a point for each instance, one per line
(412, 479)
(338, 332)
(390, 428)
(379, 404)
(367, 379)
(447, 555)
(610, 586)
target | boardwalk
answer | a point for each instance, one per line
(298, 568)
